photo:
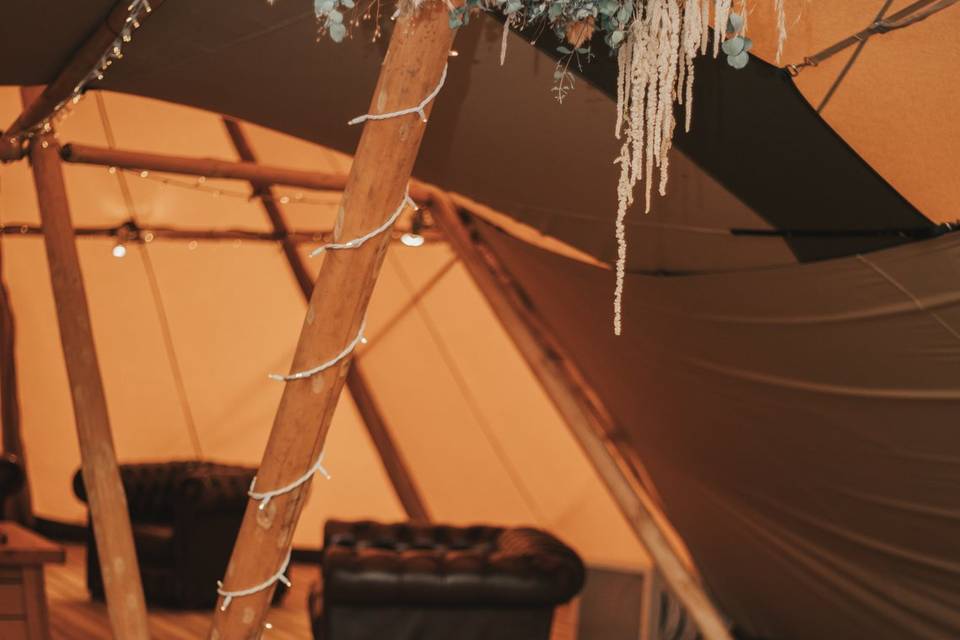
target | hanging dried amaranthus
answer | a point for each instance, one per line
(656, 70)
(780, 10)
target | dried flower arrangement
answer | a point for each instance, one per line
(656, 43)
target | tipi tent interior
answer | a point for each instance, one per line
(770, 444)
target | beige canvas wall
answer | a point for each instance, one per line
(484, 442)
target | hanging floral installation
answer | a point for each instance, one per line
(655, 43)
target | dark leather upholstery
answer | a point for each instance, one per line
(185, 518)
(11, 478)
(424, 582)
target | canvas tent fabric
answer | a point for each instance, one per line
(448, 384)
(799, 424)
(790, 395)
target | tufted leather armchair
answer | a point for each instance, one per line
(11, 478)
(420, 582)
(185, 518)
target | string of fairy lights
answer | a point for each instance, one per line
(137, 10)
(229, 595)
(414, 234)
(202, 184)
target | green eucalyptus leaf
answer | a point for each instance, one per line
(608, 7)
(733, 46)
(337, 31)
(735, 23)
(739, 61)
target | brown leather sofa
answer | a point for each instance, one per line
(11, 478)
(413, 582)
(185, 518)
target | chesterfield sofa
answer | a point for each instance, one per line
(418, 582)
(185, 517)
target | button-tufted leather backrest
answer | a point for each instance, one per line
(156, 490)
(407, 564)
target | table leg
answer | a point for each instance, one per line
(35, 601)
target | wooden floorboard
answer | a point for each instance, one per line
(74, 617)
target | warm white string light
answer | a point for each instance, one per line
(265, 496)
(307, 373)
(358, 242)
(419, 109)
(279, 576)
(136, 10)
(200, 184)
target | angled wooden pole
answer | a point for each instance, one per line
(215, 168)
(108, 503)
(393, 462)
(584, 414)
(42, 105)
(377, 184)
(205, 167)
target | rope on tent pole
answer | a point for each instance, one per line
(265, 496)
(279, 576)
(419, 109)
(358, 242)
(307, 373)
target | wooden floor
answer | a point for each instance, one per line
(74, 617)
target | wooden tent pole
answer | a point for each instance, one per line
(583, 413)
(393, 463)
(108, 503)
(375, 188)
(205, 167)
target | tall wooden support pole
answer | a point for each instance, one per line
(108, 503)
(393, 463)
(378, 180)
(584, 414)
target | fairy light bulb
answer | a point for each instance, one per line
(412, 239)
(119, 250)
